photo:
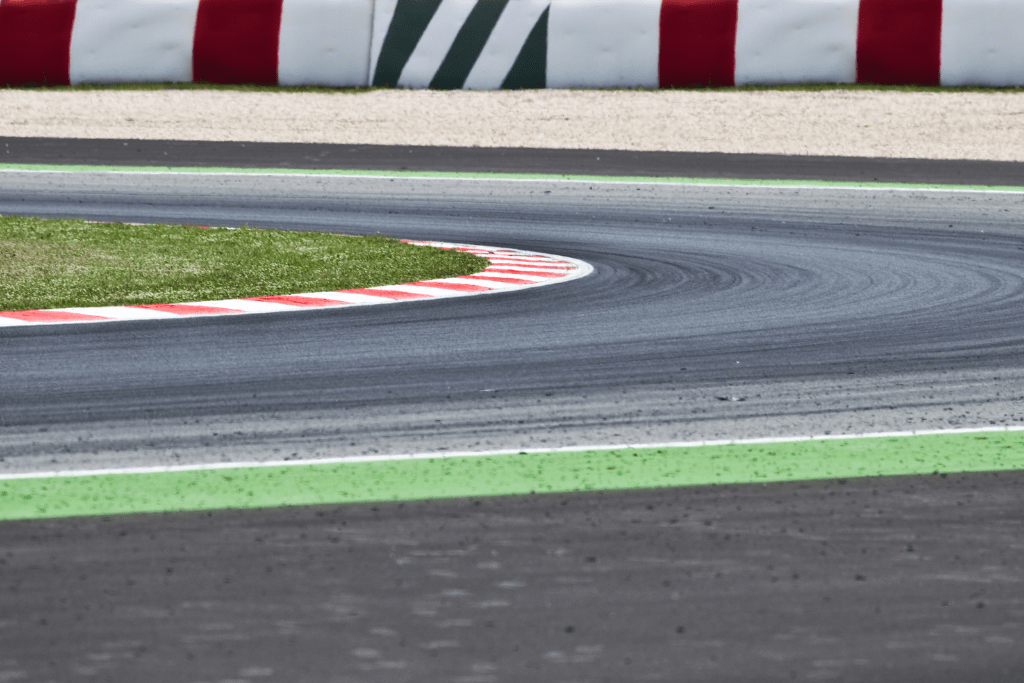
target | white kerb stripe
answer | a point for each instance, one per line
(235, 305)
(982, 42)
(490, 284)
(537, 266)
(503, 46)
(121, 312)
(603, 43)
(516, 276)
(325, 42)
(141, 41)
(432, 292)
(796, 41)
(356, 299)
(435, 43)
(334, 296)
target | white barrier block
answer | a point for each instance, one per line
(131, 42)
(982, 42)
(504, 44)
(325, 42)
(435, 42)
(603, 43)
(796, 41)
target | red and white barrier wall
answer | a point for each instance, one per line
(287, 42)
(485, 44)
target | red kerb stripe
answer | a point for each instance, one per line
(186, 309)
(899, 42)
(49, 316)
(698, 43)
(35, 41)
(510, 271)
(453, 285)
(386, 293)
(302, 301)
(236, 41)
(507, 280)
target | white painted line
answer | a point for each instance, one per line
(734, 182)
(508, 452)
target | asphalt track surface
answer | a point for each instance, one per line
(826, 310)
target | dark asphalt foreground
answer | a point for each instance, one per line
(825, 310)
(897, 580)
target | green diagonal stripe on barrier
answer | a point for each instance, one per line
(407, 26)
(530, 70)
(468, 45)
(511, 474)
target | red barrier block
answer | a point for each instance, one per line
(35, 41)
(236, 41)
(698, 43)
(899, 42)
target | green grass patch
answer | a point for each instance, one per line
(512, 474)
(47, 263)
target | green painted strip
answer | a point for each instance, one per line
(407, 26)
(468, 45)
(442, 175)
(493, 475)
(530, 70)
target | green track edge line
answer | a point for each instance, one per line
(730, 182)
(512, 474)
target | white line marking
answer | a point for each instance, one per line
(732, 182)
(476, 454)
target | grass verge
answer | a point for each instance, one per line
(46, 263)
(421, 478)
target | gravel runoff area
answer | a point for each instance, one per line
(930, 125)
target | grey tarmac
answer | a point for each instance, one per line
(908, 579)
(827, 310)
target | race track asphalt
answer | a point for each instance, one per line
(825, 309)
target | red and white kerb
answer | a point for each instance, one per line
(509, 269)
